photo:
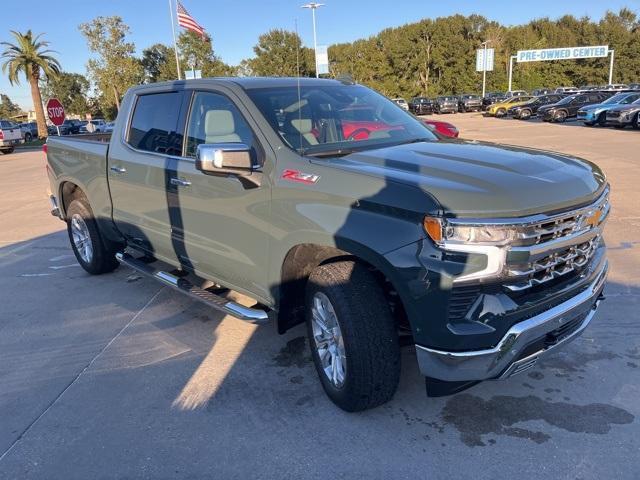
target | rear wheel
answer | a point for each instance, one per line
(352, 336)
(93, 253)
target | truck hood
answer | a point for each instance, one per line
(479, 179)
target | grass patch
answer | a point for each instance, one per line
(34, 143)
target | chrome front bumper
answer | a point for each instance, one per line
(506, 358)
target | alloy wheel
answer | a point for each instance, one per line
(328, 339)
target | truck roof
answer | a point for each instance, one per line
(249, 83)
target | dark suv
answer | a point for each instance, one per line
(491, 98)
(469, 103)
(446, 104)
(568, 107)
(421, 105)
(527, 110)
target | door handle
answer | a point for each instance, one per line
(118, 169)
(178, 182)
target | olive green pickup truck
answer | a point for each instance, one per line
(329, 205)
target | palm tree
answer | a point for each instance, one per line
(30, 56)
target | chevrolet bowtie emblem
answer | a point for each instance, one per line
(593, 219)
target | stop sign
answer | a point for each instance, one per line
(55, 111)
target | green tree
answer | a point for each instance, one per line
(29, 56)
(159, 63)
(8, 109)
(280, 53)
(197, 53)
(116, 68)
(71, 89)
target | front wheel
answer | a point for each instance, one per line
(91, 251)
(560, 116)
(501, 112)
(525, 114)
(352, 335)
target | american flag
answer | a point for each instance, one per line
(187, 21)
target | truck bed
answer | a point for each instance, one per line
(82, 160)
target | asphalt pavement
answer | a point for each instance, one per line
(115, 376)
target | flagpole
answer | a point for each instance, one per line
(175, 43)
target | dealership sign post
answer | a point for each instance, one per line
(563, 53)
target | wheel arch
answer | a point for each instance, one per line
(303, 258)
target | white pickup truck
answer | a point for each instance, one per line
(10, 136)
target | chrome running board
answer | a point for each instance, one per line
(252, 315)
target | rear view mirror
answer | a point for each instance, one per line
(224, 158)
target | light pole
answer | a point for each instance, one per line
(313, 6)
(511, 59)
(484, 67)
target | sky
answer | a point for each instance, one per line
(235, 25)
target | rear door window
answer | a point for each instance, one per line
(154, 124)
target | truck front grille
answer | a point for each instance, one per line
(553, 266)
(556, 247)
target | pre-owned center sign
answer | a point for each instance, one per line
(565, 53)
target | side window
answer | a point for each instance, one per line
(154, 123)
(215, 119)
(594, 98)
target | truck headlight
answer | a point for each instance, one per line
(445, 233)
(491, 241)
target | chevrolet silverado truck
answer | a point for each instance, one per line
(483, 258)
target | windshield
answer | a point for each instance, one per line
(567, 100)
(336, 118)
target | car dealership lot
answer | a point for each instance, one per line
(129, 379)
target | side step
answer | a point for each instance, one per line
(251, 315)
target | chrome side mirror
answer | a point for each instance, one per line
(224, 158)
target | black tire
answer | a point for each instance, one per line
(602, 119)
(501, 112)
(589, 124)
(102, 258)
(525, 114)
(371, 347)
(7, 151)
(560, 116)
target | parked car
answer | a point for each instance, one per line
(616, 86)
(443, 128)
(526, 110)
(566, 90)
(445, 104)
(29, 131)
(597, 113)
(568, 107)
(70, 127)
(624, 115)
(469, 103)
(96, 125)
(516, 93)
(10, 136)
(491, 98)
(500, 109)
(634, 86)
(482, 256)
(541, 91)
(108, 127)
(421, 106)
(401, 102)
(585, 88)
